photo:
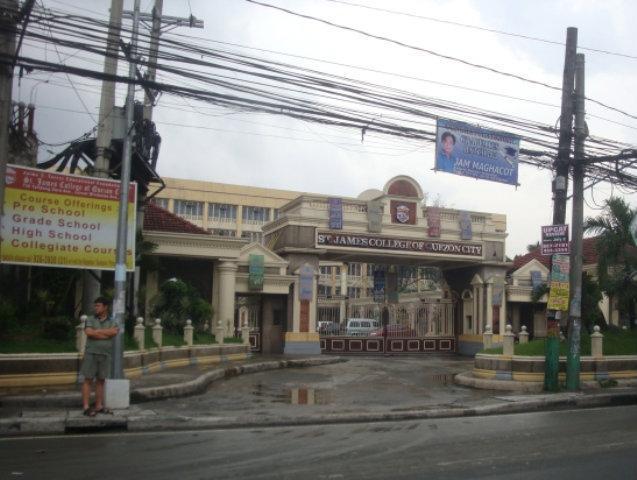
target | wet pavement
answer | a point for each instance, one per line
(358, 385)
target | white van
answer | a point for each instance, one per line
(362, 327)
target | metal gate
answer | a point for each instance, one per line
(411, 328)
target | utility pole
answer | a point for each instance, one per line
(8, 19)
(575, 318)
(152, 57)
(91, 281)
(560, 187)
(119, 301)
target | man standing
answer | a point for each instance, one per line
(100, 331)
(446, 158)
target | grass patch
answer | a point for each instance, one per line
(615, 343)
(203, 338)
(232, 340)
(32, 339)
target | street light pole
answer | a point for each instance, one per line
(119, 301)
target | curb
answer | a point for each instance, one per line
(192, 387)
(73, 422)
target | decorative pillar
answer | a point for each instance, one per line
(227, 274)
(157, 332)
(524, 335)
(303, 338)
(219, 332)
(508, 340)
(139, 332)
(343, 304)
(189, 333)
(503, 308)
(487, 338)
(478, 304)
(245, 333)
(597, 349)
(489, 304)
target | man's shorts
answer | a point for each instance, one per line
(96, 365)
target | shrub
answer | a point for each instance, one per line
(57, 328)
(178, 301)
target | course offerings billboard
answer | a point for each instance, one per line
(476, 152)
(58, 220)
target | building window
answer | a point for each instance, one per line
(325, 270)
(222, 211)
(325, 290)
(337, 290)
(354, 269)
(353, 292)
(220, 232)
(160, 202)
(188, 209)
(275, 214)
(252, 236)
(256, 214)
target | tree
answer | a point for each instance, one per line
(178, 301)
(617, 254)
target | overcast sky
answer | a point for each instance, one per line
(276, 152)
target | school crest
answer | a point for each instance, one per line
(402, 213)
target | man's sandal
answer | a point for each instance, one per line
(89, 412)
(104, 411)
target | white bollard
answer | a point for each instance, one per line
(189, 333)
(219, 332)
(157, 332)
(487, 337)
(139, 333)
(508, 342)
(245, 334)
(597, 343)
(524, 335)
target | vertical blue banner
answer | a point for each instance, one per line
(306, 282)
(336, 213)
(466, 232)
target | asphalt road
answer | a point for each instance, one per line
(577, 444)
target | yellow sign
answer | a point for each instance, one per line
(558, 296)
(60, 220)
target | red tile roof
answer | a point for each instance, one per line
(158, 219)
(589, 254)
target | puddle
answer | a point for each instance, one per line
(294, 395)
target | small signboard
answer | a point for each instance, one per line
(555, 239)
(560, 268)
(558, 296)
(466, 232)
(433, 222)
(374, 216)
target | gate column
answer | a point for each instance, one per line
(301, 337)
(227, 270)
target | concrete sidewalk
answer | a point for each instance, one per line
(326, 390)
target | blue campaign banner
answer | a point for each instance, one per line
(306, 282)
(336, 213)
(470, 151)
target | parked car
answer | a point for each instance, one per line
(328, 328)
(393, 330)
(361, 327)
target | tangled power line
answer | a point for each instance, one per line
(192, 69)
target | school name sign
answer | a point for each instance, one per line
(59, 220)
(353, 240)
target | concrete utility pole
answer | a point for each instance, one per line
(8, 19)
(152, 57)
(575, 318)
(560, 187)
(91, 280)
(119, 301)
